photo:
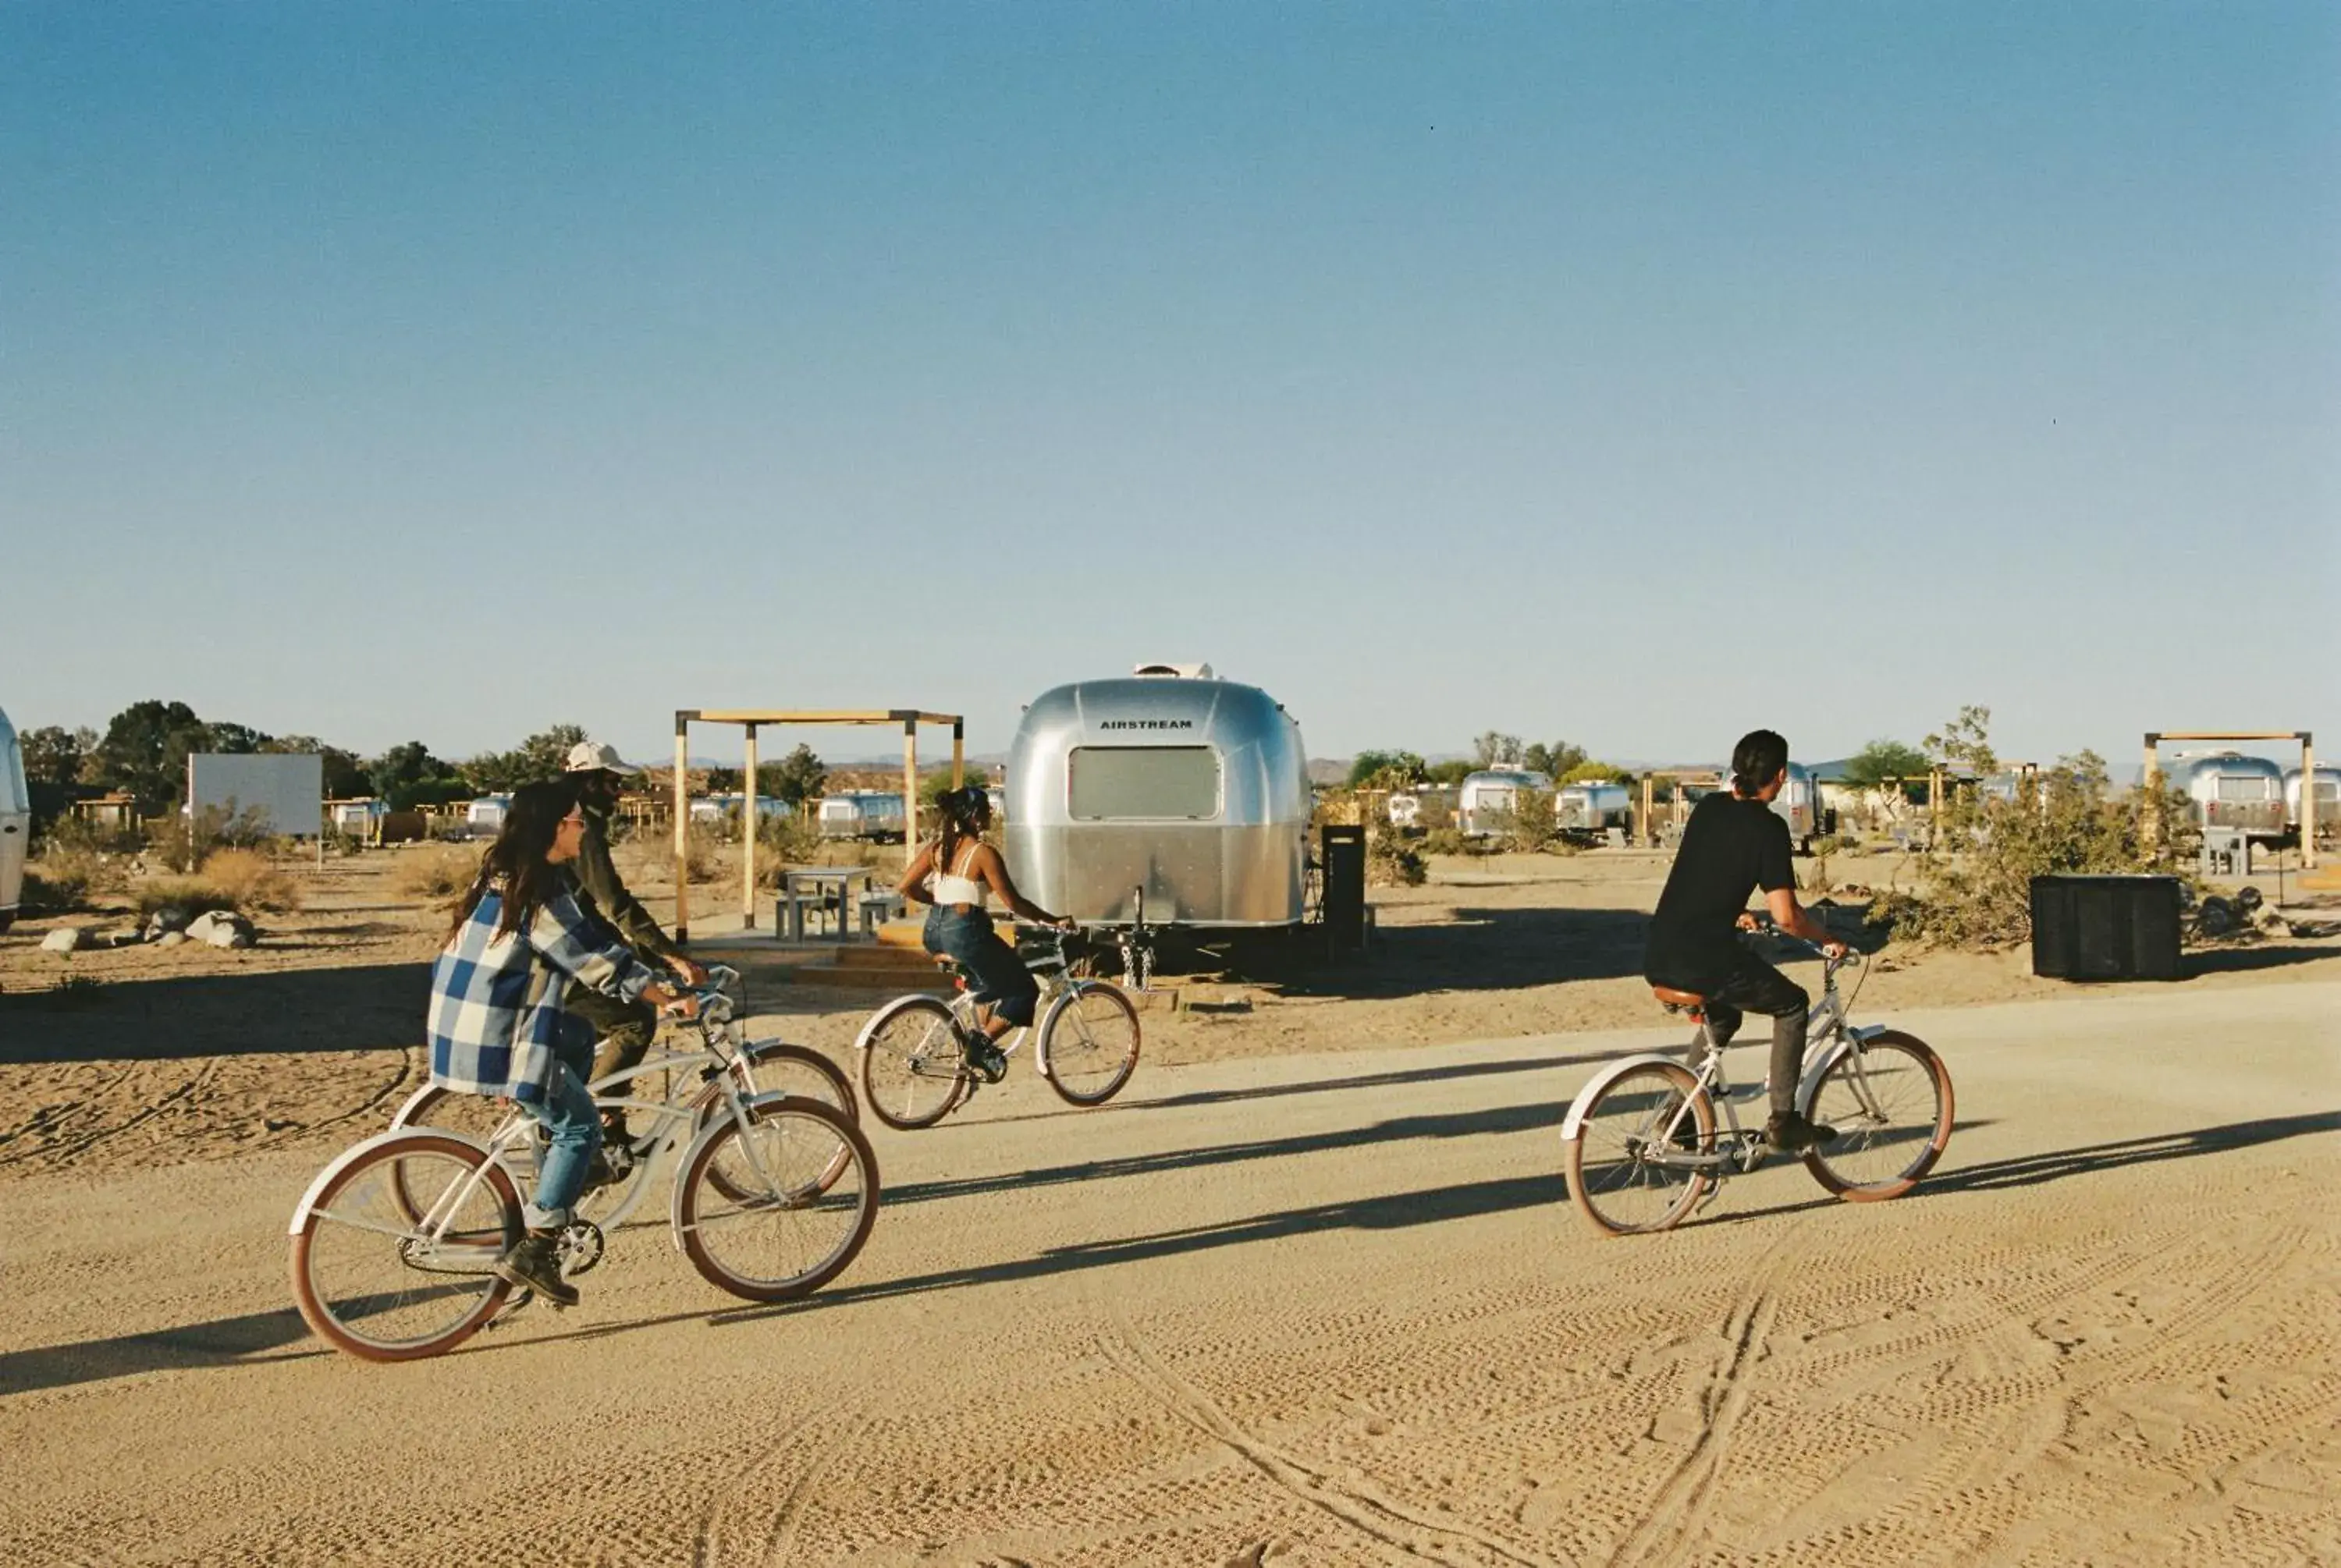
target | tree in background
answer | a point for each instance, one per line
(1966, 742)
(541, 756)
(1451, 771)
(1881, 762)
(407, 776)
(1386, 770)
(144, 753)
(796, 779)
(231, 739)
(57, 757)
(345, 774)
(1496, 749)
(1593, 773)
(1553, 761)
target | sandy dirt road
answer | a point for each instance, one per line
(1332, 1309)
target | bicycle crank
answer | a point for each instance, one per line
(581, 1246)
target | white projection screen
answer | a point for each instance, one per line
(288, 789)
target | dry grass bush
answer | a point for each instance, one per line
(703, 859)
(51, 889)
(1529, 826)
(436, 871)
(250, 881)
(1393, 861)
(189, 895)
(1453, 841)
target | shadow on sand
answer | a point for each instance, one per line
(372, 1006)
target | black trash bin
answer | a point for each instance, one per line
(2104, 927)
(1341, 849)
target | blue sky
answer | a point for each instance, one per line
(1635, 375)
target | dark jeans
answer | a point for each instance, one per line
(1756, 987)
(997, 978)
(623, 1029)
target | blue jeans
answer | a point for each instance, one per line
(573, 1130)
(997, 978)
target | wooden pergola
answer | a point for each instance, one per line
(2155, 738)
(750, 719)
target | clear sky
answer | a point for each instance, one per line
(1631, 374)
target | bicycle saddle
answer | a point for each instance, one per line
(1676, 1001)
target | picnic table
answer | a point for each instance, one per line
(821, 887)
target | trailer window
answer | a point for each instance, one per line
(2244, 787)
(1116, 783)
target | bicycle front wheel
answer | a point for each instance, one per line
(783, 1069)
(1618, 1171)
(1088, 1043)
(776, 1203)
(910, 1063)
(1890, 1102)
(397, 1258)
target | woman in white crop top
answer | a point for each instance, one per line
(956, 872)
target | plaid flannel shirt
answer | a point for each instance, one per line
(497, 1020)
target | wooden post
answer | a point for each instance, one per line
(682, 829)
(1650, 799)
(749, 822)
(2307, 801)
(2149, 781)
(1934, 806)
(910, 783)
(958, 752)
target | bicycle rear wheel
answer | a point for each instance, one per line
(1088, 1043)
(1615, 1182)
(1890, 1103)
(385, 1283)
(910, 1063)
(777, 1202)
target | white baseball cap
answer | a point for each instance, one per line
(594, 757)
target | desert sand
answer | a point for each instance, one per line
(1310, 1291)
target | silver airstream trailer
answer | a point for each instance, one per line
(2231, 790)
(1484, 805)
(1799, 804)
(1192, 788)
(873, 814)
(16, 822)
(2328, 800)
(1588, 809)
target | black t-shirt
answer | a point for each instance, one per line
(1729, 847)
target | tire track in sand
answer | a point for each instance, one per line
(707, 1543)
(1389, 1523)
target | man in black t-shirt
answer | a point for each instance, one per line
(1734, 842)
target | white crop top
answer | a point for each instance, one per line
(960, 887)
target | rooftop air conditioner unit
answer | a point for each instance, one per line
(1175, 671)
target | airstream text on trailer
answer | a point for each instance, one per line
(16, 822)
(1484, 805)
(1192, 788)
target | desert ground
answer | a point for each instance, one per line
(1310, 1291)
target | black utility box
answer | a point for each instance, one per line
(2104, 927)
(1342, 848)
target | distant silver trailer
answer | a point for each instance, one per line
(1590, 808)
(484, 818)
(2228, 789)
(1191, 788)
(1799, 804)
(873, 814)
(16, 822)
(1483, 807)
(2328, 799)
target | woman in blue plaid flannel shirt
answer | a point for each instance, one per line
(497, 1026)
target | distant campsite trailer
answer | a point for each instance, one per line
(484, 818)
(873, 814)
(16, 822)
(1799, 804)
(724, 807)
(2228, 789)
(1484, 805)
(1587, 810)
(1172, 783)
(2328, 800)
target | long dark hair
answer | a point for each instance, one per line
(965, 814)
(514, 866)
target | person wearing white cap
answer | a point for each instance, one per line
(625, 1028)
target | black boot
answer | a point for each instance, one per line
(1789, 1132)
(534, 1262)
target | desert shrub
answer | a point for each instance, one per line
(80, 835)
(1818, 878)
(703, 853)
(1528, 826)
(436, 871)
(1453, 841)
(249, 880)
(1391, 861)
(50, 889)
(191, 895)
(1976, 890)
(782, 842)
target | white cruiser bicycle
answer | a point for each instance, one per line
(1641, 1146)
(394, 1243)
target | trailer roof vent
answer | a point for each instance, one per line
(1174, 671)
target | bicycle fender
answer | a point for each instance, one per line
(1817, 1067)
(869, 1027)
(1064, 1000)
(715, 1128)
(1572, 1126)
(363, 1146)
(425, 1087)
